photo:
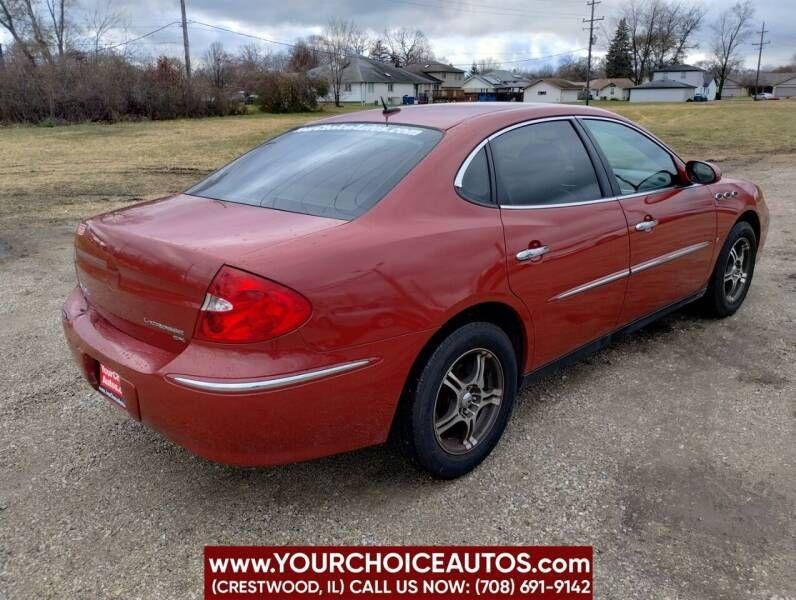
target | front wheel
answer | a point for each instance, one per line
(733, 272)
(458, 407)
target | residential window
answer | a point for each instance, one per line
(371, 87)
(459, 76)
(682, 75)
(346, 87)
(638, 163)
(389, 87)
(612, 91)
(544, 163)
(541, 93)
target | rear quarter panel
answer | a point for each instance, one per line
(416, 259)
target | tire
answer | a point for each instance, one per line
(722, 297)
(451, 419)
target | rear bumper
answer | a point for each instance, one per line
(301, 405)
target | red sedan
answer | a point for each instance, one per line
(401, 272)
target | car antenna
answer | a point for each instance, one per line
(388, 110)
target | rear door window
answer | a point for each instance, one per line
(542, 164)
(336, 170)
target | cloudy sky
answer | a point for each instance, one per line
(512, 31)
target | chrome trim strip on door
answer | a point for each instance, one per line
(272, 382)
(592, 284)
(609, 199)
(663, 259)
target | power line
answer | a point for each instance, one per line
(140, 37)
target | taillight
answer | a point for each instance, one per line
(242, 308)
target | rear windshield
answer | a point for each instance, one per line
(335, 170)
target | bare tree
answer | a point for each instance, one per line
(55, 9)
(219, 63)
(661, 31)
(485, 65)
(407, 46)
(378, 51)
(12, 19)
(335, 48)
(732, 28)
(303, 57)
(99, 22)
(360, 40)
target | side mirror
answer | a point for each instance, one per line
(702, 172)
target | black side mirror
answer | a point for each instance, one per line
(702, 172)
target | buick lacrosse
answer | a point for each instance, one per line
(398, 272)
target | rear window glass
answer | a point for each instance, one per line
(335, 170)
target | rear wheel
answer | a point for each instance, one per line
(458, 407)
(733, 272)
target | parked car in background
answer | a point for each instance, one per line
(357, 277)
(765, 96)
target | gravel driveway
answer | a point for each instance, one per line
(672, 453)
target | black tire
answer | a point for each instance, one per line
(718, 302)
(419, 418)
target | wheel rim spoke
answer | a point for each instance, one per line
(453, 382)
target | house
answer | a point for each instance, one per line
(366, 81)
(617, 88)
(446, 82)
(703, 81)
(662, 90)
(553, 90)
(734, 87)
(495, 85)
(782, 85)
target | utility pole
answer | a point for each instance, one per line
(591, 21)
(2, 60)
(760, 45)
(185, 44)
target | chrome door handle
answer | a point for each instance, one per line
(646, 225)
(532, 253)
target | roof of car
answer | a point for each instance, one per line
(448, 115)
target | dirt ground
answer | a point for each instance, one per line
(673, 453)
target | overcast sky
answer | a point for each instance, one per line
(511, 31)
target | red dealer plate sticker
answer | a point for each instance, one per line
(110, 384)
(369, 572)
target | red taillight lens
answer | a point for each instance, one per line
(242, 308)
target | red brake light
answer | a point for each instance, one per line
(242, 308)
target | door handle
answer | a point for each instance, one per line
(532, 253)
(646, 225)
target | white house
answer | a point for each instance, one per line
(617, 88)
(704, 83)
(366, 81)
(553, 90)
(662, 90)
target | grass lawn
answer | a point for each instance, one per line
(77, 170)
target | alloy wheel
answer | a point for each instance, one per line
(736, 272)
(468, 401)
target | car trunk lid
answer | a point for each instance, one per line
(146, 268)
